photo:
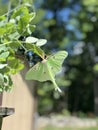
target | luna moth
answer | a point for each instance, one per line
(47, 68)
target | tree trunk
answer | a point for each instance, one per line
(96, 95)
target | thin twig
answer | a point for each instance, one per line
(6, 43)
(9, 9)
(22, 46)
(16, 9)
(20, 2)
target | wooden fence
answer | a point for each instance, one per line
(21, 98)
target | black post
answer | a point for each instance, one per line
(0, 123)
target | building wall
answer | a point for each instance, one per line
(21, 98)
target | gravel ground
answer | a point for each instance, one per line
(70, 121)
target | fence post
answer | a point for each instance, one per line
(4, 112)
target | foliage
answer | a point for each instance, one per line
(11, 29)
(73, 26)
(18, 45)
(70, 25)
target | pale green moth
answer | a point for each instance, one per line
(47, 68)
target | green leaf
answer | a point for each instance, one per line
(95, 68)
(31, 39)
(12, 21)
(2, 30)
(2, 66)
(8, 83)
(14, 35)
(41, 42)
(23, 10)
(2, 48)
(1, 89)
(10, 28)
(3, 21)
(35, 49)
(5, 70)
(39, 51)
(28, 30)
(15, 65)
(23, 22)
(4, 55)
(15, 44)
(31, 27)
(2, 18)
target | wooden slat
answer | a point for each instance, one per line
(21, 98)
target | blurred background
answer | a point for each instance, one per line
(70, 25)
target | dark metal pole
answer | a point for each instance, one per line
(0, 123)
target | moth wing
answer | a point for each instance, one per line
(55, 61)
(38, 72)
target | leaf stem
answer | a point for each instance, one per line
(22, 46)
(5, 43)
(11, 42)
